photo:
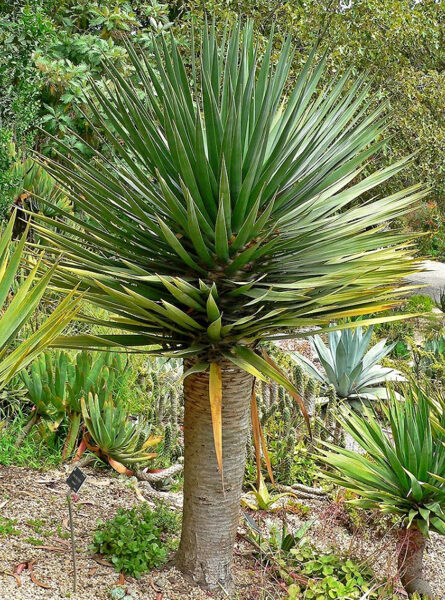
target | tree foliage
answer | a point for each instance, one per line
(231, 216)
(398, 42)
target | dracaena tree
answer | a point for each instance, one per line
(231, 216)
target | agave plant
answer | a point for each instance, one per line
(349, 366)
(17, 308)
(56, 383)
(114, 437)
(403, 472)
(231, 216)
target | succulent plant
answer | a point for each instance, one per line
(56, 382)
(168, 440)
(402, 473)
(349, 366)
(113, 437)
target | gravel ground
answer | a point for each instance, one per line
(301, 345)
(37, 501)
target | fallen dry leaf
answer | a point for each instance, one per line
(102, 562)
(27, 493)
(11, 574)
(60, 541)
(21, 567)
(52, 548)
(154, 586)
(39, 583)
(99, 482)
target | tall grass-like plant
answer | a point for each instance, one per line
(232, 216)
(402, 473)
(18, 304)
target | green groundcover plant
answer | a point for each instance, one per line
(133, 538)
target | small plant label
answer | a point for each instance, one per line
(76, 480)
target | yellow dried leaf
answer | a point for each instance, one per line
(215, 395)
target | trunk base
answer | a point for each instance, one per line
(410, 564)
(211, 509)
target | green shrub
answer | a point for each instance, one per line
(400, 330)
(323, 574)
(133, 538)
(331, 576)
(400, 351)
(419, 303)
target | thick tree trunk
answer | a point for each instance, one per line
(411, 564)
(211, 514)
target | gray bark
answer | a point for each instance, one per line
(410, 563)
(211, 515)
(161, 476)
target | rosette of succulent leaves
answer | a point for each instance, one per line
(349, 365)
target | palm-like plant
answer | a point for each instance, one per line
(17, 308)
(403, 473)
(349, 366)
(231, 217)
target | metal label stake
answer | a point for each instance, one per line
(75, 481)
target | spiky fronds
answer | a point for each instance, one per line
(234, 213)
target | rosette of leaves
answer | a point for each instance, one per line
(113, 437)
(350, 366)
(402, 473)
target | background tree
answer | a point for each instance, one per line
(230, 219)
